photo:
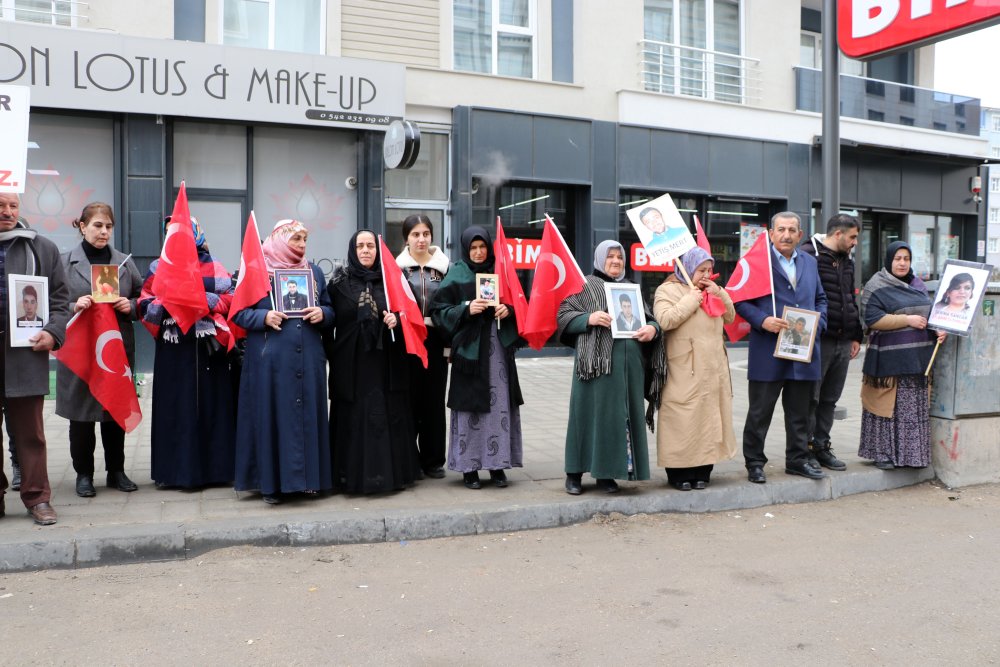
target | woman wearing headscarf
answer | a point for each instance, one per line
(425, 266)
(696, 406)
(484, 394)
(371, 424)
(193, 424)
(74, 401)
(283, 433)
(895, 422)
(606, 434)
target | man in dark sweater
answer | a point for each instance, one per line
(841, 341)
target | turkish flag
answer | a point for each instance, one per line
(511, 292)
(95, 352)
(711, 304)
(178, 282)
(557, 276)
(700, 237)
(399, 298)
(253, 283)
(751, 279)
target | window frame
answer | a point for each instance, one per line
(496, 28)
(271, 8)
(994, 183)
(11, 7)
(996, 122)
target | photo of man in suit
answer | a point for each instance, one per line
(29, 303)
(294, 299)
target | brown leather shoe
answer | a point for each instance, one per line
(43, 514)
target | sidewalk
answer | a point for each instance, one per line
(151, 524)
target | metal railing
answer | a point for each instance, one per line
(890, 102)
(61, 12)
(686, 70)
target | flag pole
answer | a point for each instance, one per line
(256, 232)
(770, 273)
(388, 306)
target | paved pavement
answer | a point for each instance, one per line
(153, 524)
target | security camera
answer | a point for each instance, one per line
(351, 183)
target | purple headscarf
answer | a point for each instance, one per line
(693, 258)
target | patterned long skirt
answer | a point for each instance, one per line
(905, 438)
(488, 440)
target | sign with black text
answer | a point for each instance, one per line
(14, 110)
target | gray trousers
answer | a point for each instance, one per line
(835, 357)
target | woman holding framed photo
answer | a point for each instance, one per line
(73, 398)
(696, 406)
(606, 434)
(371, 422)
(283, 434)
(484, 396)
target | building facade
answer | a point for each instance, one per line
(990, 130)
(577, 109)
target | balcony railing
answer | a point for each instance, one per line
(68, 13)
(889, 102)
(693, 72)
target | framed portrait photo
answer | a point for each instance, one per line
(488, 288)
(796, 342)
(625, 308)
(28, 306)
(104, 283)
(959, 292)
(295, 290)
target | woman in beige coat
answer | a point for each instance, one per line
(695, 424)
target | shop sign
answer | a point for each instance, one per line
(524, 252)
(870, 28)
(401, 145)
(97, 71)
(641, 262)
(14, 110)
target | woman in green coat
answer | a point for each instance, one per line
(606, 435)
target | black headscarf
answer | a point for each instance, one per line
(470, 235)
(891, 252)
(366, 284)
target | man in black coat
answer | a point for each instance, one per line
(841, 341)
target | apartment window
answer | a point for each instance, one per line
(289, 25)
(876, 115)
(994, 216)
(995, 151)
(46, 12)
(692, 47)
(811, 55)
(994, 183)
(996, 122)
(906, 120)
(495, 36)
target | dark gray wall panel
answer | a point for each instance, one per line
(679, 161)
(775, 170)
(634, 156)
(955, 194)
(501, 145)
(604, 161)
(921, 185)
(145, 146)
(461, 170)
(144, 232)
(848, 177)
(561, 149)
(879, 182)
(799, 170)
(735, 166)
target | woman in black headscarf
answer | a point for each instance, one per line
(371, 424)
(484, 394)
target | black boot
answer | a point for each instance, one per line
(574, 483)
(118, 480)
(471, 480)
(85, 486)
(825, 457)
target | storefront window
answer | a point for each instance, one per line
(210, 155)
(427, 179)
(289, 25)
(301, 174)
(394, 227)
(72, 166)
(921, 240)
(934, 240)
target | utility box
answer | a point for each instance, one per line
(965, 401)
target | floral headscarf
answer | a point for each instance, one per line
(278, 254)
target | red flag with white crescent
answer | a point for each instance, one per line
(95, 352)
(253, 283)
(399, 298)
(557, 276)
(178, 282)
(511, 292)
(750, 279)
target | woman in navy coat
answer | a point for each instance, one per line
(282, 434)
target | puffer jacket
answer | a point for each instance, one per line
(836, 273)
(424, 280)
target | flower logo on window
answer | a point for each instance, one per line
(50, 201)
(311, 203)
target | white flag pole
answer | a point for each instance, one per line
(388, 305)
(770, 274)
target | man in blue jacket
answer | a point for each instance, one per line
(796, 284)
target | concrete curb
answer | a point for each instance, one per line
(115, 545)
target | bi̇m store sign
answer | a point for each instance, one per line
(871, 28)
(98, 71)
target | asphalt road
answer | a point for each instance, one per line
(902, 577)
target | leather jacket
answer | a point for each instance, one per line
(424, 280)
